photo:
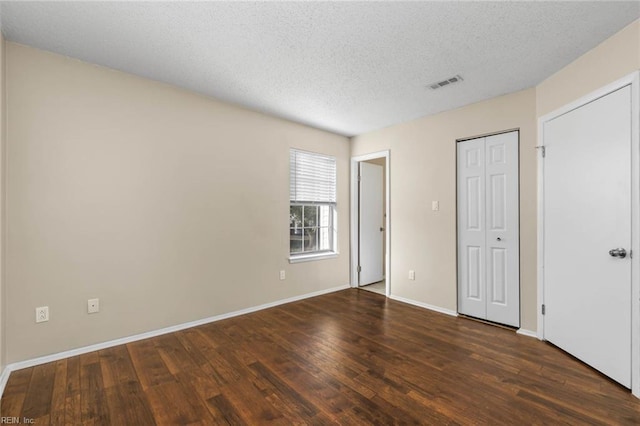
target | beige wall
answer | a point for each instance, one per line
(3, 128)
(614, 58)
(166, 205)
(423, 169)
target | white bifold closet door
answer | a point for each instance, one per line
(488, 229)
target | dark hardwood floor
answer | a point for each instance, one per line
(351, 357)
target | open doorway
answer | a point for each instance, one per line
(370, 222)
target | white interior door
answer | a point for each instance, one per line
(587, 212)
(488, 229)
(371, 220)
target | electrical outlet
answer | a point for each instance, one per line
(42, 314)
(412, 275)
(93, 306)
(435, 206)
(283, 275)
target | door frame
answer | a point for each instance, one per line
(632, 80)
(355, 194)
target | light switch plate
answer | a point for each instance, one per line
(93, 306)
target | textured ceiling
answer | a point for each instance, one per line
(347, 67)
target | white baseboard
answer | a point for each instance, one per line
(527, 333)
(522, 331)
(425, 305)
(4, 378)
(8, 369)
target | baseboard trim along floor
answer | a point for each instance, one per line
(425, 305)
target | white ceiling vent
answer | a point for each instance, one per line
(451, 80)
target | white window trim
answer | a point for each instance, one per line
(313, 256)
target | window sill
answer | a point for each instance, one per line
(312, 257)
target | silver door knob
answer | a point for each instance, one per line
(618, 252)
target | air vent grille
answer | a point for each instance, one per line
(448, 81)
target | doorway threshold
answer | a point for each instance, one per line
(378, 287)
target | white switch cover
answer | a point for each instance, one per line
(283, 275)
(412, 275)
(93, 306)
(42, 314)
(435, 206)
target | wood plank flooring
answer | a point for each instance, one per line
(351, 357)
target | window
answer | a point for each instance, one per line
(312, 199)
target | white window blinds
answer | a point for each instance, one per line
(312, 178)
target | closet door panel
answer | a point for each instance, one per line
(471, 228)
